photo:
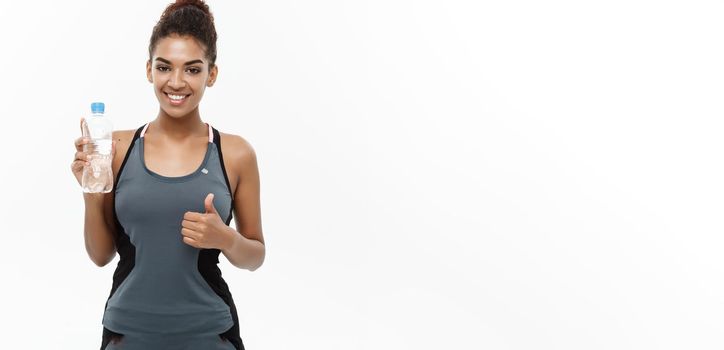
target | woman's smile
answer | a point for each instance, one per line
(176, 99)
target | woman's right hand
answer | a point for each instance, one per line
(81, 158)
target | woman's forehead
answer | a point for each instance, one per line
(179, 48)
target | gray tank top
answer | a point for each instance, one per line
(161, 289)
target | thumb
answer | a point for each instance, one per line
(209, 204)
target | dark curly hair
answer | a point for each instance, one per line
(187, 17)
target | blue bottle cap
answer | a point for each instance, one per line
(98, 107)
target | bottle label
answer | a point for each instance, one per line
(102, 146)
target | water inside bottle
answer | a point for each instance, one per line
(98, 176)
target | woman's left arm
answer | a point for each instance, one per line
(246, 250)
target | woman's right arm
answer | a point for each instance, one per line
(98, 231)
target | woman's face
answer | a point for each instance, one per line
(179, 72)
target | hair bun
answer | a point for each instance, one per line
(199, 4)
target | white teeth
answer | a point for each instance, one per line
(176, 97)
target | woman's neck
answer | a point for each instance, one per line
(181, 127)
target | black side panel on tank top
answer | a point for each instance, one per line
(126, 250)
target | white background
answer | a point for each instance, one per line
(435, 175)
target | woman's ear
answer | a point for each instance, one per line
(148, 71)
(213, 73)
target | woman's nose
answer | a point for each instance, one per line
(176, 81)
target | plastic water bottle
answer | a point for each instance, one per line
(98, 176)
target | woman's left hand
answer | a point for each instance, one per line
(206, 230)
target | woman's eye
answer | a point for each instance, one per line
(162, 69)
(194, 70)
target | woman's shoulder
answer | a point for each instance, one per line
(238, 152)
(235, 145)
(123, 134)
(122, 140)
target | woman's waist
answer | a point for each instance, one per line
(138, 319)
(166, 289)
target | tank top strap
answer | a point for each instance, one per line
(216, 137)
(211, 132)
(136, 135)
(143, 132)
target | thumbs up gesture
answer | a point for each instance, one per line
(206, 230)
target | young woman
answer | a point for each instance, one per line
(178, 183)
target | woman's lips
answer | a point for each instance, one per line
(176, 100)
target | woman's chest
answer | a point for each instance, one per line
(148, 204)
(143, 196)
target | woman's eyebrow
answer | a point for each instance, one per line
(185, 64)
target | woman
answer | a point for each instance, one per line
(178, 182)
